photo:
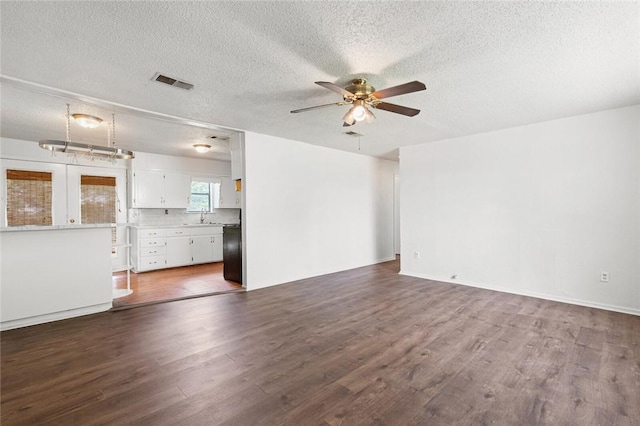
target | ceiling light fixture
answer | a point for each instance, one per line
(87, 121)
(202, 147)
(358, 112)
(91, 151)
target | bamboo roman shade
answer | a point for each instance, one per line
(29, 197)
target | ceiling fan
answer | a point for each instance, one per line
(360, 95)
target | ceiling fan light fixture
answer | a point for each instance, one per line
(202, 147)
(348, 117)
(87, 121)
(359, 111)
(369, 117)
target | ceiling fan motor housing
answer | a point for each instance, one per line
(360, 89)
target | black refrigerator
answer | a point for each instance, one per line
(232, 253)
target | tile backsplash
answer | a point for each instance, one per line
(180, 216)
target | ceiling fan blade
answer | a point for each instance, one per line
(414, 86)
(295, 111)
(398, 109)
(335, 88)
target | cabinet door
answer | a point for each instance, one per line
(148, 188)
(178, 251)
(216, 248)
(235, 146)
(202, 248)
(177, 190)
(228, 193)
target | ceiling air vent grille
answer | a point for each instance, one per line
(172, 81)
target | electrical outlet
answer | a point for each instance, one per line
(604, 277)
(416, 255)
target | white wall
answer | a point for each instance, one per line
(538, 210)
(311, 210)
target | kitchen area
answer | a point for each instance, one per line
(84, 228)
(184, 229)
(184, 250)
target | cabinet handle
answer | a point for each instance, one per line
(153, 243)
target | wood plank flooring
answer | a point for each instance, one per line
(360, 347)
(173, 284)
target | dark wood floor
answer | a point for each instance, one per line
(173, 284)
(364, 346)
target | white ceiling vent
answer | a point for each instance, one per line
(172, 81)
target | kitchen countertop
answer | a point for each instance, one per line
(184, 225)
(56, 227)
(107, 225)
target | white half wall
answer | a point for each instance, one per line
(53, 274)
(539, 210)
(311, 210)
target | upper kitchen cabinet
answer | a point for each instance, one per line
(160, 189)
(229, 198)
(235, 147)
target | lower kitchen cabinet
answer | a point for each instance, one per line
(208, 246)
(148, 250)
(178, 251)
(159, 248)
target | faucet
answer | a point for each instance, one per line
(202, 216)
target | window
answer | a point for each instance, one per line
(200, 196)
(29, 198)
(98, 200)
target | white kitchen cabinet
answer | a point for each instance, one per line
(206, 245)
(217, 247)
(178, 251)
(202, 248)
(177, 190)
(148, 249)
(229, 198)
(235, 147)
(157, 248)
(160, 189)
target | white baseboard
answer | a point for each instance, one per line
(387, 259)
(554, 298)
(55, 316)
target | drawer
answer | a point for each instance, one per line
(152, 242)
(152, 262)
(178, 232)
(153, 251)
(151, 233)
(206, 230)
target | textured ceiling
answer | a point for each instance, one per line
(486, 65)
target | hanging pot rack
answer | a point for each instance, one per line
(92, 151)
